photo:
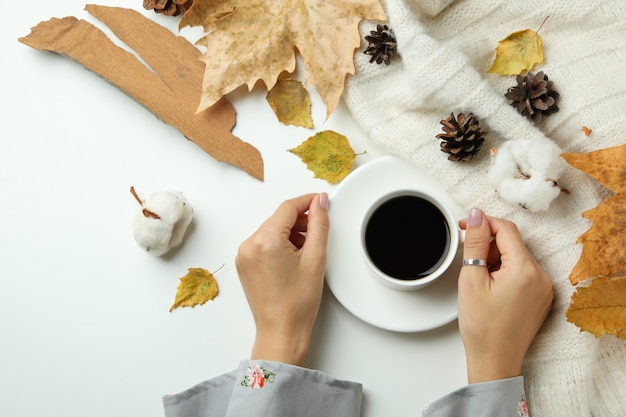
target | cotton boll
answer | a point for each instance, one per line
(161, 223)
(525, 172)
(545, 160)
(180, 227)
(532, 194)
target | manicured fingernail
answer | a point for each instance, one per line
(475, 217)
(324, 200)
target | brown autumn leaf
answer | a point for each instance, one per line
(600, 308)
(170, 87)
(257, 41)
(291, 103)
(328, 154)
(603, 244)
(195, 288)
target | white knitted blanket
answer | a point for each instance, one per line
(446, 47)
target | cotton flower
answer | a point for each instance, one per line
(161, 223)
(526, 172)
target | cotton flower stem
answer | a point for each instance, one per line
(145, 211)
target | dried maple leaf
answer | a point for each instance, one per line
(256, 40)
(169, 87)
(291, 103)
(601, 307)
(603, 244)
(328, 154)
(518, 53)
(195, 288)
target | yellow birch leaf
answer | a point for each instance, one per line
(518, 53)
(291, 103)
(195, 288)
(256, 40)
(328, 154)
(600, 308)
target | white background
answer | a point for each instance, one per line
(85, 327)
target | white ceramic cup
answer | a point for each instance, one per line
(409, 238)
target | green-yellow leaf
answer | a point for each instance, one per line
(328, 154)
(600, 308)
(291, 103)
(518, 53)
(195, 288)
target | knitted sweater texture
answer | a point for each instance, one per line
(446, 48)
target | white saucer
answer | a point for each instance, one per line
(348, 276)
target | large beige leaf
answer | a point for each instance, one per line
(256, 40)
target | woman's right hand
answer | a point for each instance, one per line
(501, 306)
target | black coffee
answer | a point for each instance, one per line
(407, 237)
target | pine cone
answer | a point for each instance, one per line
(382, 45)
(462, 138)
(533, 96)
(168, 7)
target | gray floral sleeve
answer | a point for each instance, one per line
(502, 398)
(264, 388)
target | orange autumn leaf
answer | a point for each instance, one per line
(601, 307)
(195, 288)
(257, 40)
(604, 243)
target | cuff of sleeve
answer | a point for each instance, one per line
(259, 372)
(270, 388)
(504, 397)
(283, 390)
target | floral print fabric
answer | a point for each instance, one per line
(522, 407)
(256, 377)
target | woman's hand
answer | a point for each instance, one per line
(281, 268)
(501, 306)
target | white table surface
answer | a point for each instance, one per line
(85, 327)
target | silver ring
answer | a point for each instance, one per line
(475, 262)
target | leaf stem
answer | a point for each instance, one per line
(541, 25)
(218, 269)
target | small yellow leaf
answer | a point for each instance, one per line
(518, 53)
(291, 103)
(601, 307)
(195, 288)
(328, 154)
